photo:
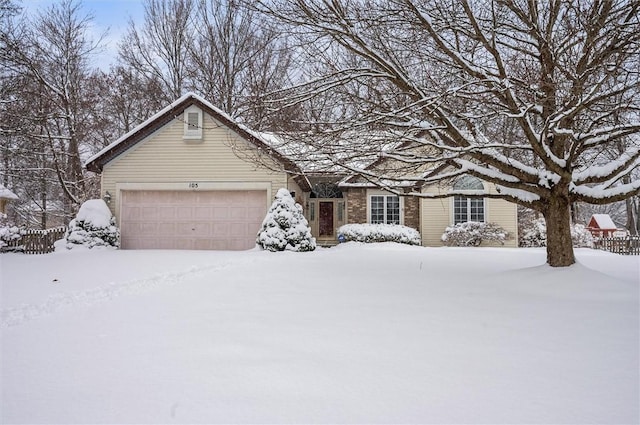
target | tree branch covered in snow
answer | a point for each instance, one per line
(525, 95)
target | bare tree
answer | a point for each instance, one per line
(48, 59)
(520, 94)
(159, 49)
(218, 48)
(127, 98)
(8, 9)
(236, 57)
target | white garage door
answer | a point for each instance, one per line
(226, 220)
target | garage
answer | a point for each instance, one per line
(212, 219)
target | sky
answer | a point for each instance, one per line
(110, 17)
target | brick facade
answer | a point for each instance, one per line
(412, 212)
(357, 208)
(356, 205)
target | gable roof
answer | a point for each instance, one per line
(405, 179)
(6, 193)
(96, 162)
(603, 221)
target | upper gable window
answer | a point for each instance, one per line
(193, 123)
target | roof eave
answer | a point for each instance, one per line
(97, 162)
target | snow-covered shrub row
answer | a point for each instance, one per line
(535, 235)
(94, 226)
(473, 233)
(8, 233)
(379, 233)
(284, 227)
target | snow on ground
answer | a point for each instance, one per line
(379, 333)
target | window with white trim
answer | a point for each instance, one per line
(384, 209)
(193, 123)
(466, 208)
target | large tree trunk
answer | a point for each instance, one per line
(559, 244)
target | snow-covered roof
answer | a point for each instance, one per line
(604, 221)
(6, 193)
(153, 118)
(353, 150)
(161, 118)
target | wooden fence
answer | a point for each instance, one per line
(35, 241)
(626, 246)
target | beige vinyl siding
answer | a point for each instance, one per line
(436, 215)
(505, 214)
(293, 187)
(166, 161)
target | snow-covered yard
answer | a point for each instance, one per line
(357, 333)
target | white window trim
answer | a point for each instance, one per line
(190, 133)
(453, 206)
(371, 193)
(466, 193)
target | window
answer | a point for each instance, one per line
(312, 211)
(384, 209)
(466, 208)
(468, 183)
(193, 123)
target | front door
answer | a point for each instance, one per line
(325, 219)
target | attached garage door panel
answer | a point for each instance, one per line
(223, 220)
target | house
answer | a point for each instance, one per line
(601, 226)
(5, 196)
(431, 214)
(191, 177)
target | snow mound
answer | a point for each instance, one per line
(95, 212)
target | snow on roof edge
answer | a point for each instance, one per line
(604, 221)
(6, 193)
(154, 117)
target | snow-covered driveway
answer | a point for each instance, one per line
(357, 333)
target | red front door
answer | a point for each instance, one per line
(326, 219)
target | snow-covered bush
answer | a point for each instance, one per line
(535, 235)
(379, 233)
(473, 233)
(93, 226)
(284, 227)
(581, 237)
(9, 233)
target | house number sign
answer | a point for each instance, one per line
(193, 185)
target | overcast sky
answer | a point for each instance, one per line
(111, 16)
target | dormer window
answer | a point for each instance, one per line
(193, 123)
